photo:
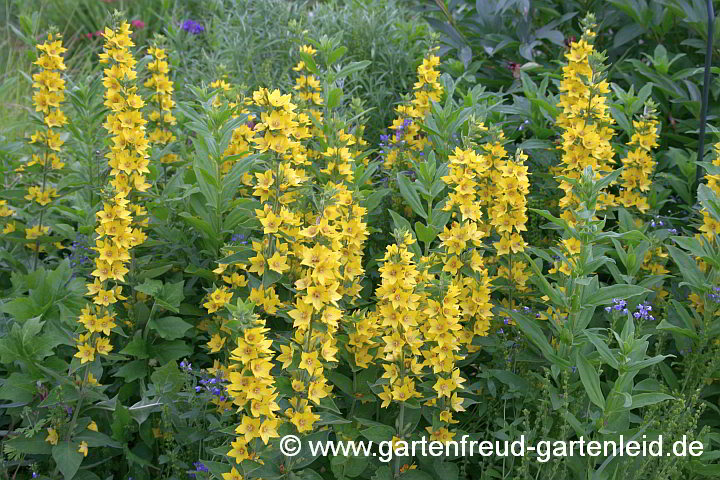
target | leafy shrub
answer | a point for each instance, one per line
(192, 270)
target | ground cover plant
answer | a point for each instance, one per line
(199, 259)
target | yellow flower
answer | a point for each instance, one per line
(93, 426)
(304, 421)
(216, 343)
(233, 474)
(52, 437)
(83, 448)
(86, 353)
(309, 361)
(278, 263)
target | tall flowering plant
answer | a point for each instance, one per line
(48, 96)
(118, 227)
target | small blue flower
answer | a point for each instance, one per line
(193, 27)
(643, 312)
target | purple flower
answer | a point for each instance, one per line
(618, 306)
(200, 467)
(193, 27)
(643, 312)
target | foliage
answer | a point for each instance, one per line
(194, 264)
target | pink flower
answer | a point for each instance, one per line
(89, 35)
(138, 24)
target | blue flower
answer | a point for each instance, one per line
(643, 312)
(193, 27)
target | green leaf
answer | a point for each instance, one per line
(170, 350)
(141, 410)
(645, 399)
(337, 54)
(627, 33)
(168, 378)
(516, 382)
(425, 233)
(22, 309)
(590, 380)
(378, 433)
(171, 296)
(132, 370)
(154, 272)
(334, 97)
(18, 387)
(605, 295)
(199, 224)
(401, 223)
(217, 468)
(309, 62)
(170, 328)
(709, 200)
(150, 287)
(137, 348)
(415, 475)
(120, 424)
(35, 446)
(446, 470)
(341, 381)
(353, 67)
(410, 194)
(685, 332)
(533, 332)
(688, 267)
(555, 296)
(96, 439)
(602, 349)
(67, 458)
(305, 457)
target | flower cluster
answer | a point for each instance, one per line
(117, 230)
(316, 246)
(710, 227)
(193, 27)
(508, 214)
(619, 305)
(585, 119)
(639, 164)
(642, 312)
(161, 117)
(406, 127)
(7, 212)
(307, 85)
(48, 94)
(421, 328)
(253, 390)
